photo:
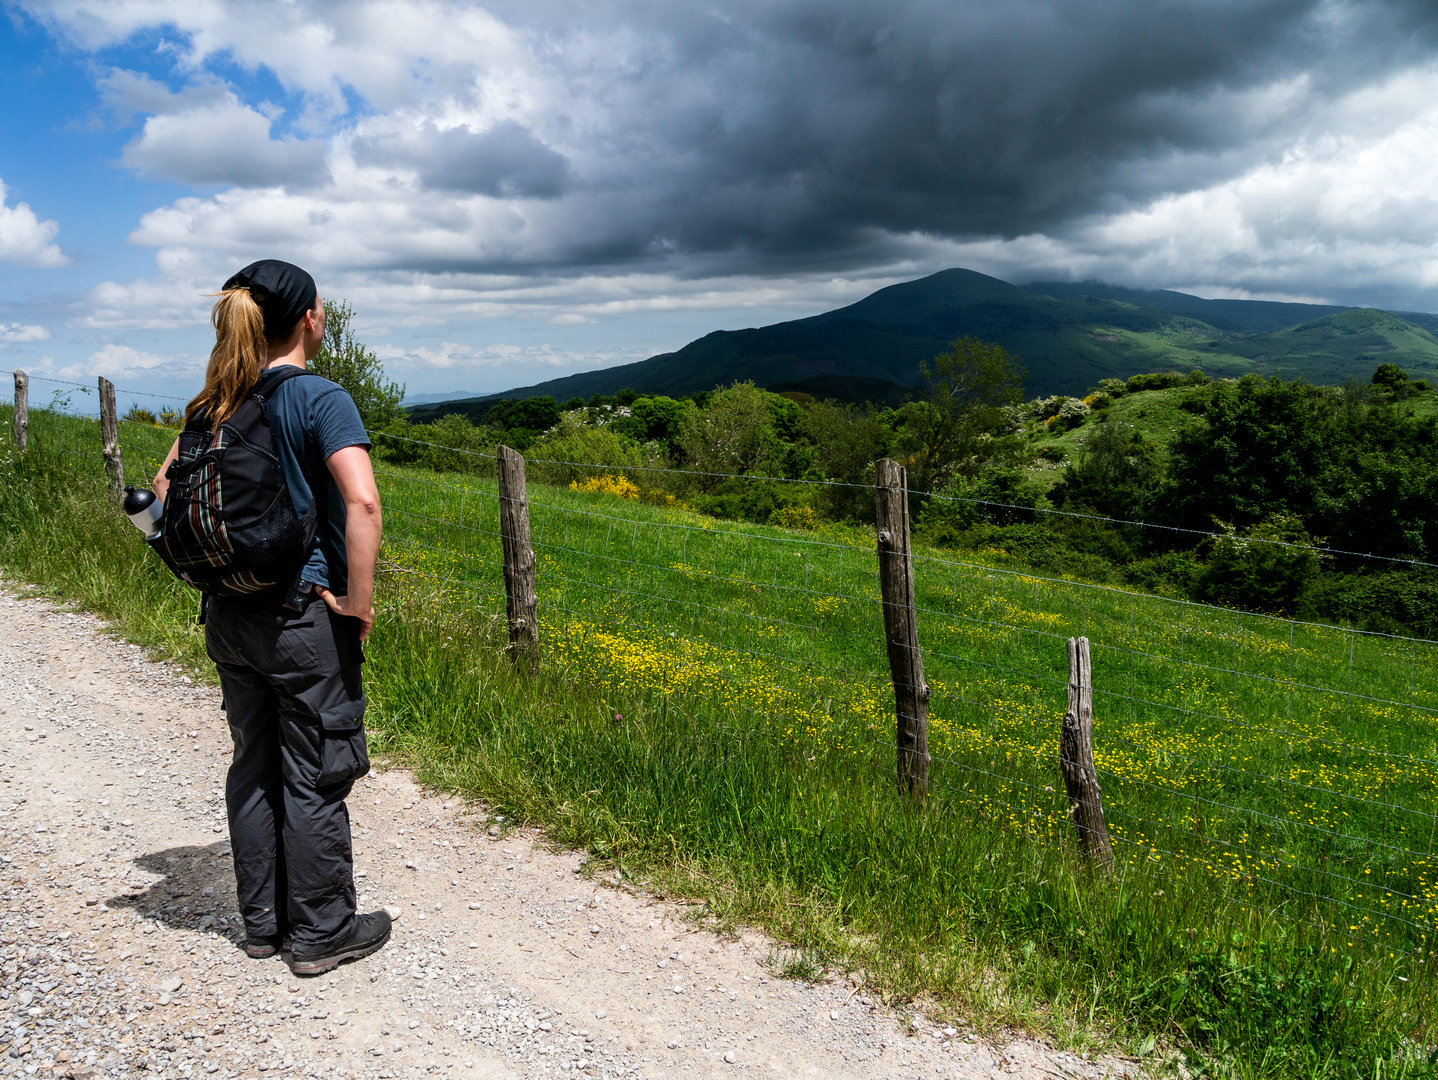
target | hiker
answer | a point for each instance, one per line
(289, 655)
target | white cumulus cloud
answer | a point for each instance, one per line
(225, 142)
(120, 363)
(16, 333)
(25, 239)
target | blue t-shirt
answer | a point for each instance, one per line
(312, 418)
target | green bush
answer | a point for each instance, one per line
(560, 456)
(1156, 380)
(1116, 474)
(1258, 570)
(756, 500)
(994, 497)
(455, 445)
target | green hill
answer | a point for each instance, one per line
(1068, 337)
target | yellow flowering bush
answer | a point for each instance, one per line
(616, 484)
(795, 517)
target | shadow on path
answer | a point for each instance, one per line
(196, 890)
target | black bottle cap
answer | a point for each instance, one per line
(137, 499)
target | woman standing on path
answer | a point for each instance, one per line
(291, 674)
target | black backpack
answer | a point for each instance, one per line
(229, 526)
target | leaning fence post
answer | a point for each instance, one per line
(20, 423)
(901, 627)
(1076, 759)
(520, 601)
(110, 438)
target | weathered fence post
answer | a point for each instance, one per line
(901, 627)
(520, 601)
(110, 438)
(21, 420)
(1076, 759)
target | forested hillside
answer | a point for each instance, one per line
(1067, 337)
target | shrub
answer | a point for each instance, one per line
(1260, 571)
(795, 517)
(1071, 413)
(560, 456)
(1401, 600)
(1116, 475)
(1156, 380)
(995, 497)
(618, 485)
(756, 500)
(137, 415)
(733, 433)
(450, 444)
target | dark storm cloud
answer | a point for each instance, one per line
(807, 131)
(505, 161)
(818, 137)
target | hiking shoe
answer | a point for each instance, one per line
(370, 934)
(262, 948)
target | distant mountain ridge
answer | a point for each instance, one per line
(1067, 335)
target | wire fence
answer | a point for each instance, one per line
(1293, 766)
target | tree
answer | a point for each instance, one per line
(653, 418)
(954, 428)
(1392, 378)
(344, 360)
(1260, 449)
(733, 433)
(847, 441)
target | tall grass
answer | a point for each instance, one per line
(713, 717)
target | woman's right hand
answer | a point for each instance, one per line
(346, 605)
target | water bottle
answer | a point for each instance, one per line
(144, 510)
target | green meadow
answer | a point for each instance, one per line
(712, 716)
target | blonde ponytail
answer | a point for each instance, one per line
(239, 355)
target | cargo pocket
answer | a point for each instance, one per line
(344, 756)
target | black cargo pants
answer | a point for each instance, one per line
(295, 705)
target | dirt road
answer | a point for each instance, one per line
(118, 929)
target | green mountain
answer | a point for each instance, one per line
(1067, 335)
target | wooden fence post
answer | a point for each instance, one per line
(21, 421)
(520, 600)
(1076, 759)
(110, 438)
(901, 627)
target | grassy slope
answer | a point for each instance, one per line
(713, 715)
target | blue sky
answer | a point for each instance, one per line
(511, 192)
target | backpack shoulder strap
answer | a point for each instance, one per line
(277, 376)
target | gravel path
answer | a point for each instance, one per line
(118, 929)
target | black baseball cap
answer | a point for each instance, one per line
(283, 291)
